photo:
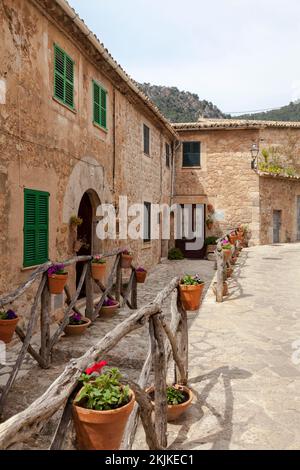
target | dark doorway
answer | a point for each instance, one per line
(276, 226)
(84, 233)
(181, 243)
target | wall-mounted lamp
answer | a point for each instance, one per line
(254, 154)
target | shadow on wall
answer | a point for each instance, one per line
(221, 438)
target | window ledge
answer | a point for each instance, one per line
(147, 155)
(104, 129)
(30, 268)
(73, 110)
(191, 167)
(146, 245)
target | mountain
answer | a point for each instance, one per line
(180, 106)
(291, 112)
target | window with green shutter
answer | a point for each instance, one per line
(63, 77)
(99, 105)
(36, 227)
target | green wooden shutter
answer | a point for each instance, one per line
(99, 105)
(36, 227)
(63, 77)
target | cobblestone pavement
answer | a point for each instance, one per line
(129, 355)
(244, 368)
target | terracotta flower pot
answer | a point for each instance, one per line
(126, 261)
(229, 272)
(175, 411)
(57, 282)
(211, 248)
(234, 259)
(233, 239)
(191, 296)
(7, 329)
(76, 330)
(109, 310)
(240, 236)
(101, 430)
(141, 276)
(227, 254)
(209, 225)
(98, 271)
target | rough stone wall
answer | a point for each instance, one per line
(278, 194)
(224, 180)
(46, 146)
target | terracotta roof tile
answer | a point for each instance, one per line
(234, 124)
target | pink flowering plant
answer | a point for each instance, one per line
(102, 389)
(98, 260)
(126, 252)
(56, 269)
(7, 315)
(191, 280)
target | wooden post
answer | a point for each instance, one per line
(160, 386)
(119, 281)
(134, 291)
(45, 326)
(220, 270)
(89, 291)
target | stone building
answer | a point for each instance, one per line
(76, 131)
(214, 168)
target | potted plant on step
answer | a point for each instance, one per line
(109, 307)
(126, 259)
(57, 278)
(179, 399)
(98, 268)
(209, 222)
(77, 324)
(141, 275)
(8, 323)
(191, 289)
(211, 244)
(226, 247)
(233, 238)
(101, 409)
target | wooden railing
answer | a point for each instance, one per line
(42, 299)
(223, 264)
(166, 338)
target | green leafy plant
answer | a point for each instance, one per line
(74, 220)
(175, 396)
(190, 280)
(175, 254)
(210, 241)
(104, 391)
(290, 171)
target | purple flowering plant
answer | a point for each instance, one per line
(76, 319)
(109, 302)
(56, 269)
(7, 315)
(140, 269)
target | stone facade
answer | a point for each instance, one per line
(46, 146)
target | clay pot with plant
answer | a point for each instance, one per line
(179, 399)
(8, 323)
(101, 408)
(233, 238)
(57, 278)
(141, 275)
(109, 307)
(126, 259)
(98, 268)
(226, 247)
(191, 290)
(77, 325)
(211, 244)
(209, 222)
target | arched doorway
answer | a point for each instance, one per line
(84, 234)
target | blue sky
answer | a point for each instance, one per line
(242, 55)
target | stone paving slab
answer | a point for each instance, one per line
(246, 385)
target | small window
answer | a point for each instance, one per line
(99, 105)
(63, 77)
(191, 154)
(146, 140)
(36, 227)
(147, 221)
(168, 152)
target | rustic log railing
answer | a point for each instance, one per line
(222, 264)
(41, 308)
(164, 337)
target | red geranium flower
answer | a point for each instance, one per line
(96, 367)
